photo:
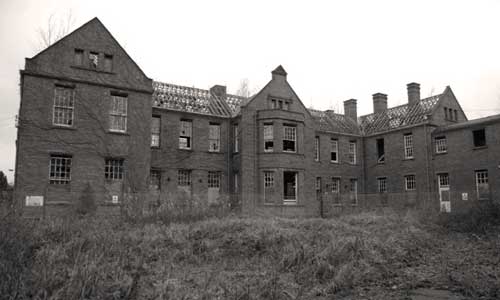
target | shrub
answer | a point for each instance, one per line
(86, 203)
(480, 219)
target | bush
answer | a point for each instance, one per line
(86, 203)
(480, 219)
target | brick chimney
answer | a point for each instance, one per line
(413, 92)
(279, 73)
(219, 91)
(350, 109)
(379, 103)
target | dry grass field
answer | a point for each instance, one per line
(371, 255)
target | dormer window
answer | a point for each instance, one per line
(94, 59)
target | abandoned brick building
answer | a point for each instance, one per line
(90, 119)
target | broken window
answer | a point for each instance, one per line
(184, 178)
(316, 148)
(236, 135)
(118, 113)
(353, 189)
(60, 169)
(289, 187)
(94, 59)
(441, 146)
(63, 106)
(289, 138)
(78, 57)
(334, 150)
(479, 138)
(214, 179)
(380, 151)
(155, 131)
(113, 168)
(352, 153)
(408, 145)
(155, 180)
(410, 183)
(108, 63)
(185, 134)
(482, 186)
(268, 138)
(214, 137)
(382, 184)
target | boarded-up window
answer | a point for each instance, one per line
(118, 114)
(483, 188)
(60, 169)
(155, 131)
(185, 134)
(268, 138)
(214, 138)
(63, 106)
(353, 189)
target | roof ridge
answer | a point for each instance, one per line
(403, 105)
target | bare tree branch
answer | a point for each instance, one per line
(55, 29)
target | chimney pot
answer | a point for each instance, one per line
(379, 103)
(219, 91)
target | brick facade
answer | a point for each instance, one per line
(288, 161)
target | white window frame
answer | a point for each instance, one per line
(214, 137)
(441, 144)
(316, 149)
(184, 177)
(290, 135)
(186, 133)
(352, 153)
(268, 179)
(382, 185)
(118, 113)
(481, 179)
(410, 182)
(214, 179)
(288, 201)
(353, 188)
(236, 135)
(63, 110)
(334, 148)
(408, 145)
(114, 168)
(155, 132)
(268, 136)
(60, 169)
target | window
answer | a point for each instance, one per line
(335, 189)
(380, 151)
(268, 138)
(280, 104)
(352, 153)
(155, 131)
(289, 187)
(479, 138)
(268, 179)
(441, 146)
(273, 104)
(444, 180)
(286, 105)
(118, 113)
(318, 184)
(94, 59)
(185, 134)
(446, 113)
(108, 63)
(78, 57)
(450, 114)
(334, 149)
(214, 137)
(63, 106)
(155, 180)
(289, 138)
(316, 148)
(236, 183)
(236, 135)
(456, 114)
(483, 189)
(214, 179)
(113, 169)
(382, 184)
(353, 189)
(408, 143)
(410, 183)
(60, 169)
(184, 178)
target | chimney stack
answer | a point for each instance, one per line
(219, 91)
(279, 73)
(379, 103)
(413, 93)
(350, 109)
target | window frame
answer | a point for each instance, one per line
(214, 133)
(290, 136)
(482, 175)
(316, 148)
(484, 142)
(63, 175)
(268, 136)
(382, 185)
(62, 108)
(155, 132)
(108, 58)
(79, 53)
(114, 168)
(94, 64)
(184, 178)
(408, 146)
(441, 144)
(155, 179)
(334, 141)
(287, 200)
(214, 179)
(410, 182)
(186, 132)
(236, 137)
(116, 114)
(353, 152)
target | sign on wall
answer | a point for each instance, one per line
(34, 200)
(114, 199)
(465, 196)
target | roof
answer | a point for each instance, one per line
(332, 122)
(399, 116)
(470, 123)
(194, 100)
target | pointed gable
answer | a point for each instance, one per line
(91, 54)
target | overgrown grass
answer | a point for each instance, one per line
(228, 258)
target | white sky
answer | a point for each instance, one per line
(332, 50)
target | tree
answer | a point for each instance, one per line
(4, 185)
(244, 89)
(56, 28)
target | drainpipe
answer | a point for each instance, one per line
(427, 164)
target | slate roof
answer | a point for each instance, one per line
(190, 99)
(399, 116)
(470, 123)
(332, 122)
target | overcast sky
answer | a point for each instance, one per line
(332, 50)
